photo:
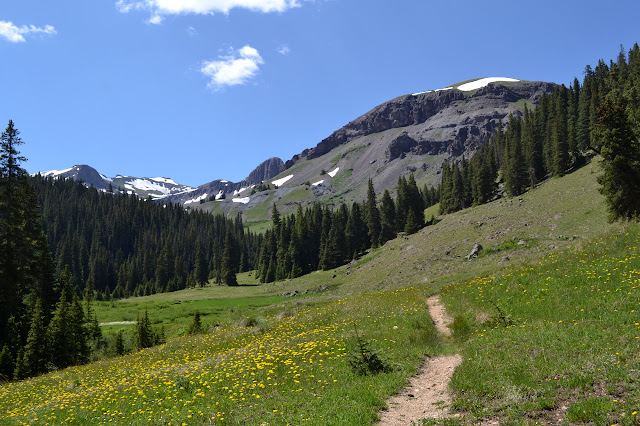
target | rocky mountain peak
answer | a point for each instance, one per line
(446, 120)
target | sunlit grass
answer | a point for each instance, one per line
(573, 338)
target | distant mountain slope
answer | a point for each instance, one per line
(413, 133)
(156, 188)
(265, 171)
(453, 119)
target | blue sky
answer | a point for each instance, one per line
(198, 90)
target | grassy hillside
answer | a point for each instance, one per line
(559, 341)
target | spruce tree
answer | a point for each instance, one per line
(230, 259)
(620, 181)
(196, 325)
(387, 218)
(119, 344)
(79, 333)
(60, 334)
(200, 270)
(36, 352)
(7, 364)
(372, 216)
(144, 337)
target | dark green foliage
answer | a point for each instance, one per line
(122, 246)
(119, 344)
(7, 364)
(230, 259)
(35, 357)
(144, 336)
(372, 216)
(364, 361)
(196, 325)
(201, 273)
(26, 269)
(620, 181)
(388, 229)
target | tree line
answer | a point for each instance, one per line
(320, 238)
(119, 245)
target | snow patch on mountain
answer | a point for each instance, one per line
(429, 91)
(282, 181)
(164, 180)
(317, 183)
(197, 199)
(244, 200)
(55, 173)
(333, 172)
(477, 84)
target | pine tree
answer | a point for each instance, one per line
(372, 216)
(7, 364)
(119, 344)
(387, 218)
(61, 344)
(144, 336)
(36, 353)
(230, 259)
(79, 332)
(26, 267)
(620, 181)
(196, 325)
(200, 270)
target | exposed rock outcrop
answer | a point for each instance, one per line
(450, 121)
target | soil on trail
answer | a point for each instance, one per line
(427, 395)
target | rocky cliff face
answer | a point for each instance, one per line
(442, 121)
(264, 171)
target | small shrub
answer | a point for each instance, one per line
(196, 325)
(363, 360)
(461, 327)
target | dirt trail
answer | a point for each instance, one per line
(427, 395)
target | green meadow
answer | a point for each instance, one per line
(546, 318)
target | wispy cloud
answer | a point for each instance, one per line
(236, 68)
(283, 49)
(192, 32)
(16, 34)
(159, 8)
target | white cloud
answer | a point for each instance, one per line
(159, 8)
(283, 50)
(233, 69)
(16, 34)
(155, 19)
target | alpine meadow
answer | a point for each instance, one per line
(490, 225)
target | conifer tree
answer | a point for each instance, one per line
(372, 216)
(620, 181)
(119, 344)
(61, 344)
(387, 218)
(200, 271)
(79, 333)
(230, 260)
(196, 325)
(36, 351)
(144, 336)
(7, 364)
